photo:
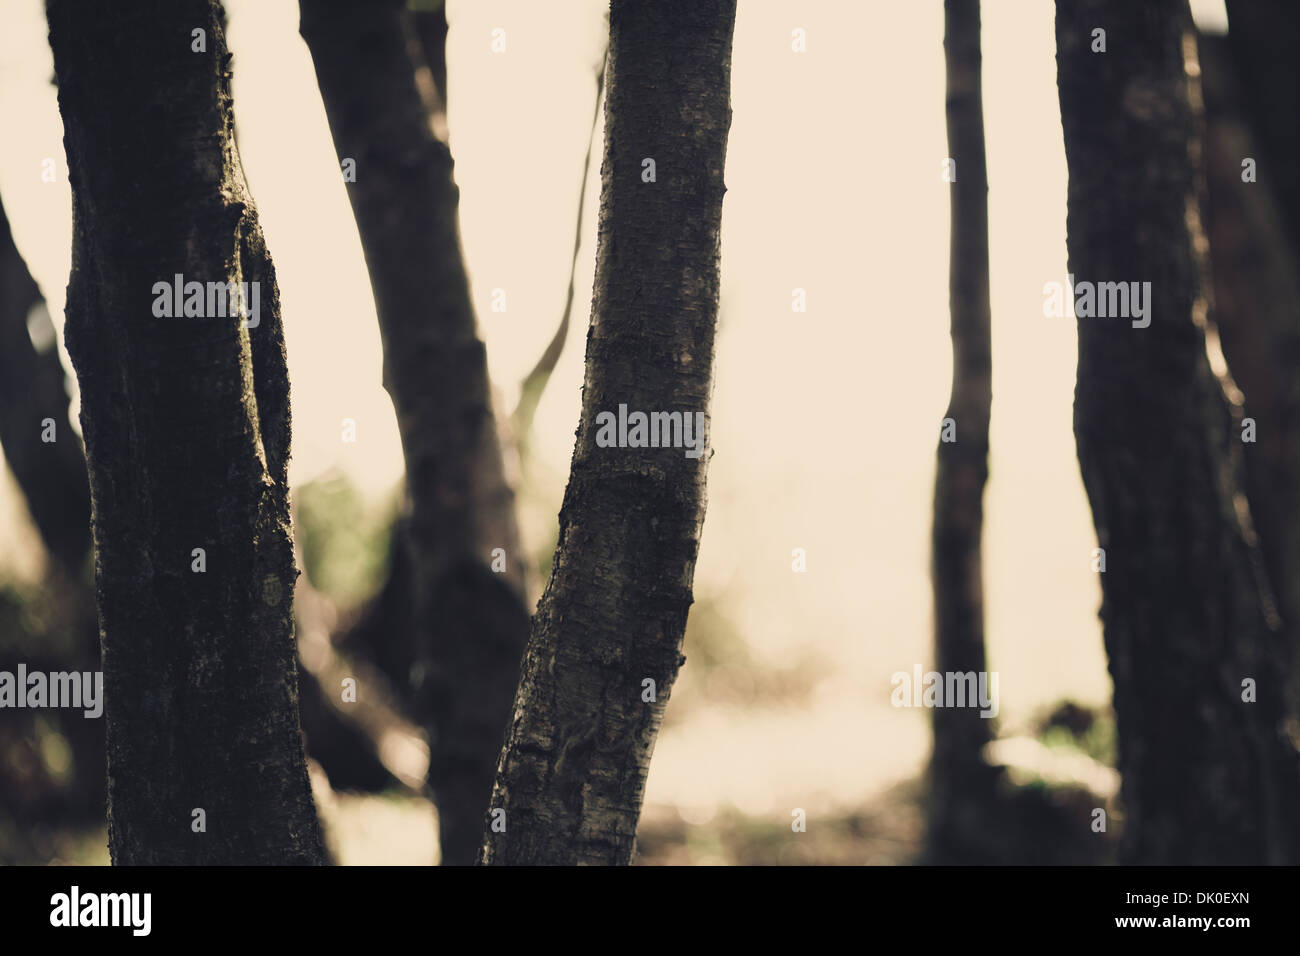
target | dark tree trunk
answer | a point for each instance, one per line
(471, 623)
(51, 474)
(186, 422)
(961, 783)
(1252, 95)
(574, 767)
(1207, 777)
(1262, 37)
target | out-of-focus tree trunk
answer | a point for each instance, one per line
(186, 423)
(607, 638)
(42, 449)
(470, 623)
(961, 782)
(52, 476)
(1262, 38)
(363, 744)
(1252, 91)
(1208, 777)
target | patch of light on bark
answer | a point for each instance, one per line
(1218, 364)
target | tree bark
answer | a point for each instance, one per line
(470, 623)
(51, 474)
(960, 780)
(573, 770)
(1207, 776)
(186, 422)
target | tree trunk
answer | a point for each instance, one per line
(186, 421)
(1254, 230)
(961, 783)
(574, 767)
(471, 623)
(42, 449)
(1262, 37)
(1207, 776)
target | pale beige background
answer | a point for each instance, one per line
(824, 423)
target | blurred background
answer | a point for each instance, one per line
(824, 421)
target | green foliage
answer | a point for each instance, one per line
(34, 624)
(343, 538)
(1092, 732)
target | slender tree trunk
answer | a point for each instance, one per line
(42, 449)
(961, 783)
(534, 383)
(1208, 777)
(471, 623)
(186, 421)
(607, 638)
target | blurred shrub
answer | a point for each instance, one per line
(343, 538)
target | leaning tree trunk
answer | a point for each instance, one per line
(47, 461)
(470, 623)
(186, 422)
(42, 449)
(1197, 660)
(607, 638)
(961, 782)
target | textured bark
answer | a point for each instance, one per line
(470, 623)
(1255, 266)
(52, 475)
(186, 422)
(1207, 778)
(960, 780)
(574, 767)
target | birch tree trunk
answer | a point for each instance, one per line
(186, 422)
(607, 638)
(961, 783)
(470, 623)
(1208, 773)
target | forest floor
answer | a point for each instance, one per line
(753, 736)
(1032, 825)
